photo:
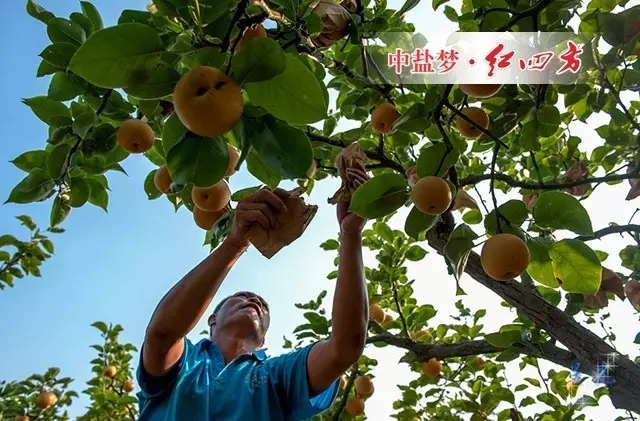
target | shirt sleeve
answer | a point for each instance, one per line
(152, 386)
(289, 371)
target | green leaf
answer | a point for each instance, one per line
(418, 223)
(172, 131)
(284, 148)
(92, 13)
(160, 82)
(83, 21)
(577, 266)
(515, 211)
(244, 193)
(416, 119)
(547, 120)
(294, 95)
(59, 211)
(52, 112)
(380, 196)
(436, 156)
(504, 339)
(57, 160)
(64, 30)
(150, 187)
(330, 245)
(119, 56)
(101, 326)
(260, 170)
(38, 12)
(202, 161)
(458, 248)
(80, 192)
(437, 3)
(59, 54)
(45, 69)
(415, 253)
(474, 216)
(9, 240)
(35, 187)
(98, 196)
(541, 266)
(560, 210)
(31, 160)
(259, 60)
(408, 5)
(63, 87)
(85, 122)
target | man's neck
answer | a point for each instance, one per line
(232, 346)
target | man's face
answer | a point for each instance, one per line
(244, 313)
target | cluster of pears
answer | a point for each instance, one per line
(504, 256)
(364, 389)
(209, 104)
(110, 372)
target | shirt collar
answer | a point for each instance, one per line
(259, 354)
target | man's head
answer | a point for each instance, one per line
(243, 314)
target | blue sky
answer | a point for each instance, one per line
(115, 267)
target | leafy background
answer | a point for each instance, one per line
(117, 266)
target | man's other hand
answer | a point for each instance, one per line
(260, 208)
(350, 223)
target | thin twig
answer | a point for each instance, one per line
(494, 159)
(474, 179)
(544, 381)
(474, 124)
(240, 9)
(531, 12)
(398, 306)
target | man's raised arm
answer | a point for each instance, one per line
(328, 360)
(184, 305)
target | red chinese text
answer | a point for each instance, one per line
(495, 59)
(571, 60)
(398, 60)
(448, 60)
(422, 61)
(537, 62)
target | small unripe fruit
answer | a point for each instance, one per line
(46, 400)
(355, 406)
(110, 371)
(128, 385)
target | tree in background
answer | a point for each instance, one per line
(212, 90)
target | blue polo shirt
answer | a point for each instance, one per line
(252, 387)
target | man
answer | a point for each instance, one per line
(228, 377)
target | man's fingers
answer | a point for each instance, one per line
(255, 216)
(267, 196)
(265, 210)
(357, 176)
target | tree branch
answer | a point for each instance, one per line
(474, 179)
(345, 394)
(384, 160)
(615, 229)
(425, 352)
(531, 12)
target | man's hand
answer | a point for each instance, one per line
(259, 208)
(350, 223)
